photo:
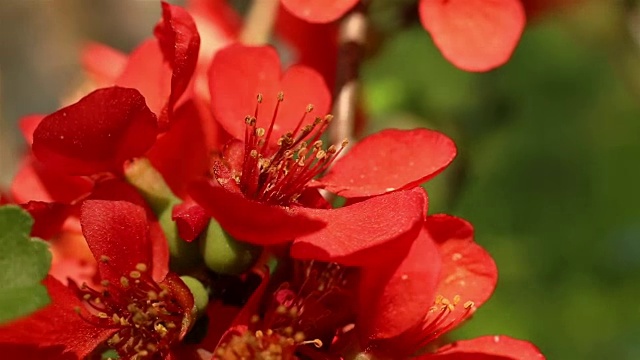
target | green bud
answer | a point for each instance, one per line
(151, 185)
(200, 294)
(224, 254)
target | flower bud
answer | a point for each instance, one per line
(200, 294)
(224, 254)
(151, 185)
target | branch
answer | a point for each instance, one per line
(258, 23)
(353, 31)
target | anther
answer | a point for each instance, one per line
(135, 275)
(281, 96)
(309, 108)
(259, 97)
(141, 267)
(105, 259)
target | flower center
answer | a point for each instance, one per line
(146, 315)
(443, 316)
(278, 174)
(307, 312)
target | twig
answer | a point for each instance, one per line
(259, 21)
(353, 31)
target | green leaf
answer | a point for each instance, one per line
(24, 262)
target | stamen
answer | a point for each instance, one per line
(278, 176)
(144, 313)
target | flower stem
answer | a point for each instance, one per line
(353, 31)
(259, 21)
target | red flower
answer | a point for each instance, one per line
(435, 287)
(141, 308)
(312, 302)
(265, 176)
(474, 35)
(398, 307)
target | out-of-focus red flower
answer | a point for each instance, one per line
(474, 35)
(319, 11)
(140, 309)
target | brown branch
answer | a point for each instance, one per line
(259, 21)
(353, 31)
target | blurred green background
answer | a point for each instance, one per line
(549, 147)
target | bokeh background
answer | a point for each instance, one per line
(549, 164)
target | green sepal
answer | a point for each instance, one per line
(140, 173)
(199, 292)
(224, 254)
(24, 263)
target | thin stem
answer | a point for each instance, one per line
(258, 23)
(353, 31)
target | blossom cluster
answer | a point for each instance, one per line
(190, 205)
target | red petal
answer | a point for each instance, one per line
(364, 233)
(319, 11)
(258, 68)
(117, 190)
(48, 217)
(183, 296)
(467, 269)
(103, 63)
(251, 221)
(191, 219)
(117, 230)
(182, 154)
(474, 35)
(498, 347)
(96, 134)
(35, 181)
(147, 72)
(396, 295)
(180, 42)
(57, 324)
(390, 160)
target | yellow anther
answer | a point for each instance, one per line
(87, 297)
(259, 334)
(124, 281)
(254, 153)
(280, 96)
(105, 283)
(104, 259)
(456, 299)
(103, 315)
(259, 97)
(309, 108)
(260, 132)
(135, 274)
(141, 267)
(328, 118)
(469, 304)
(298, 337)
